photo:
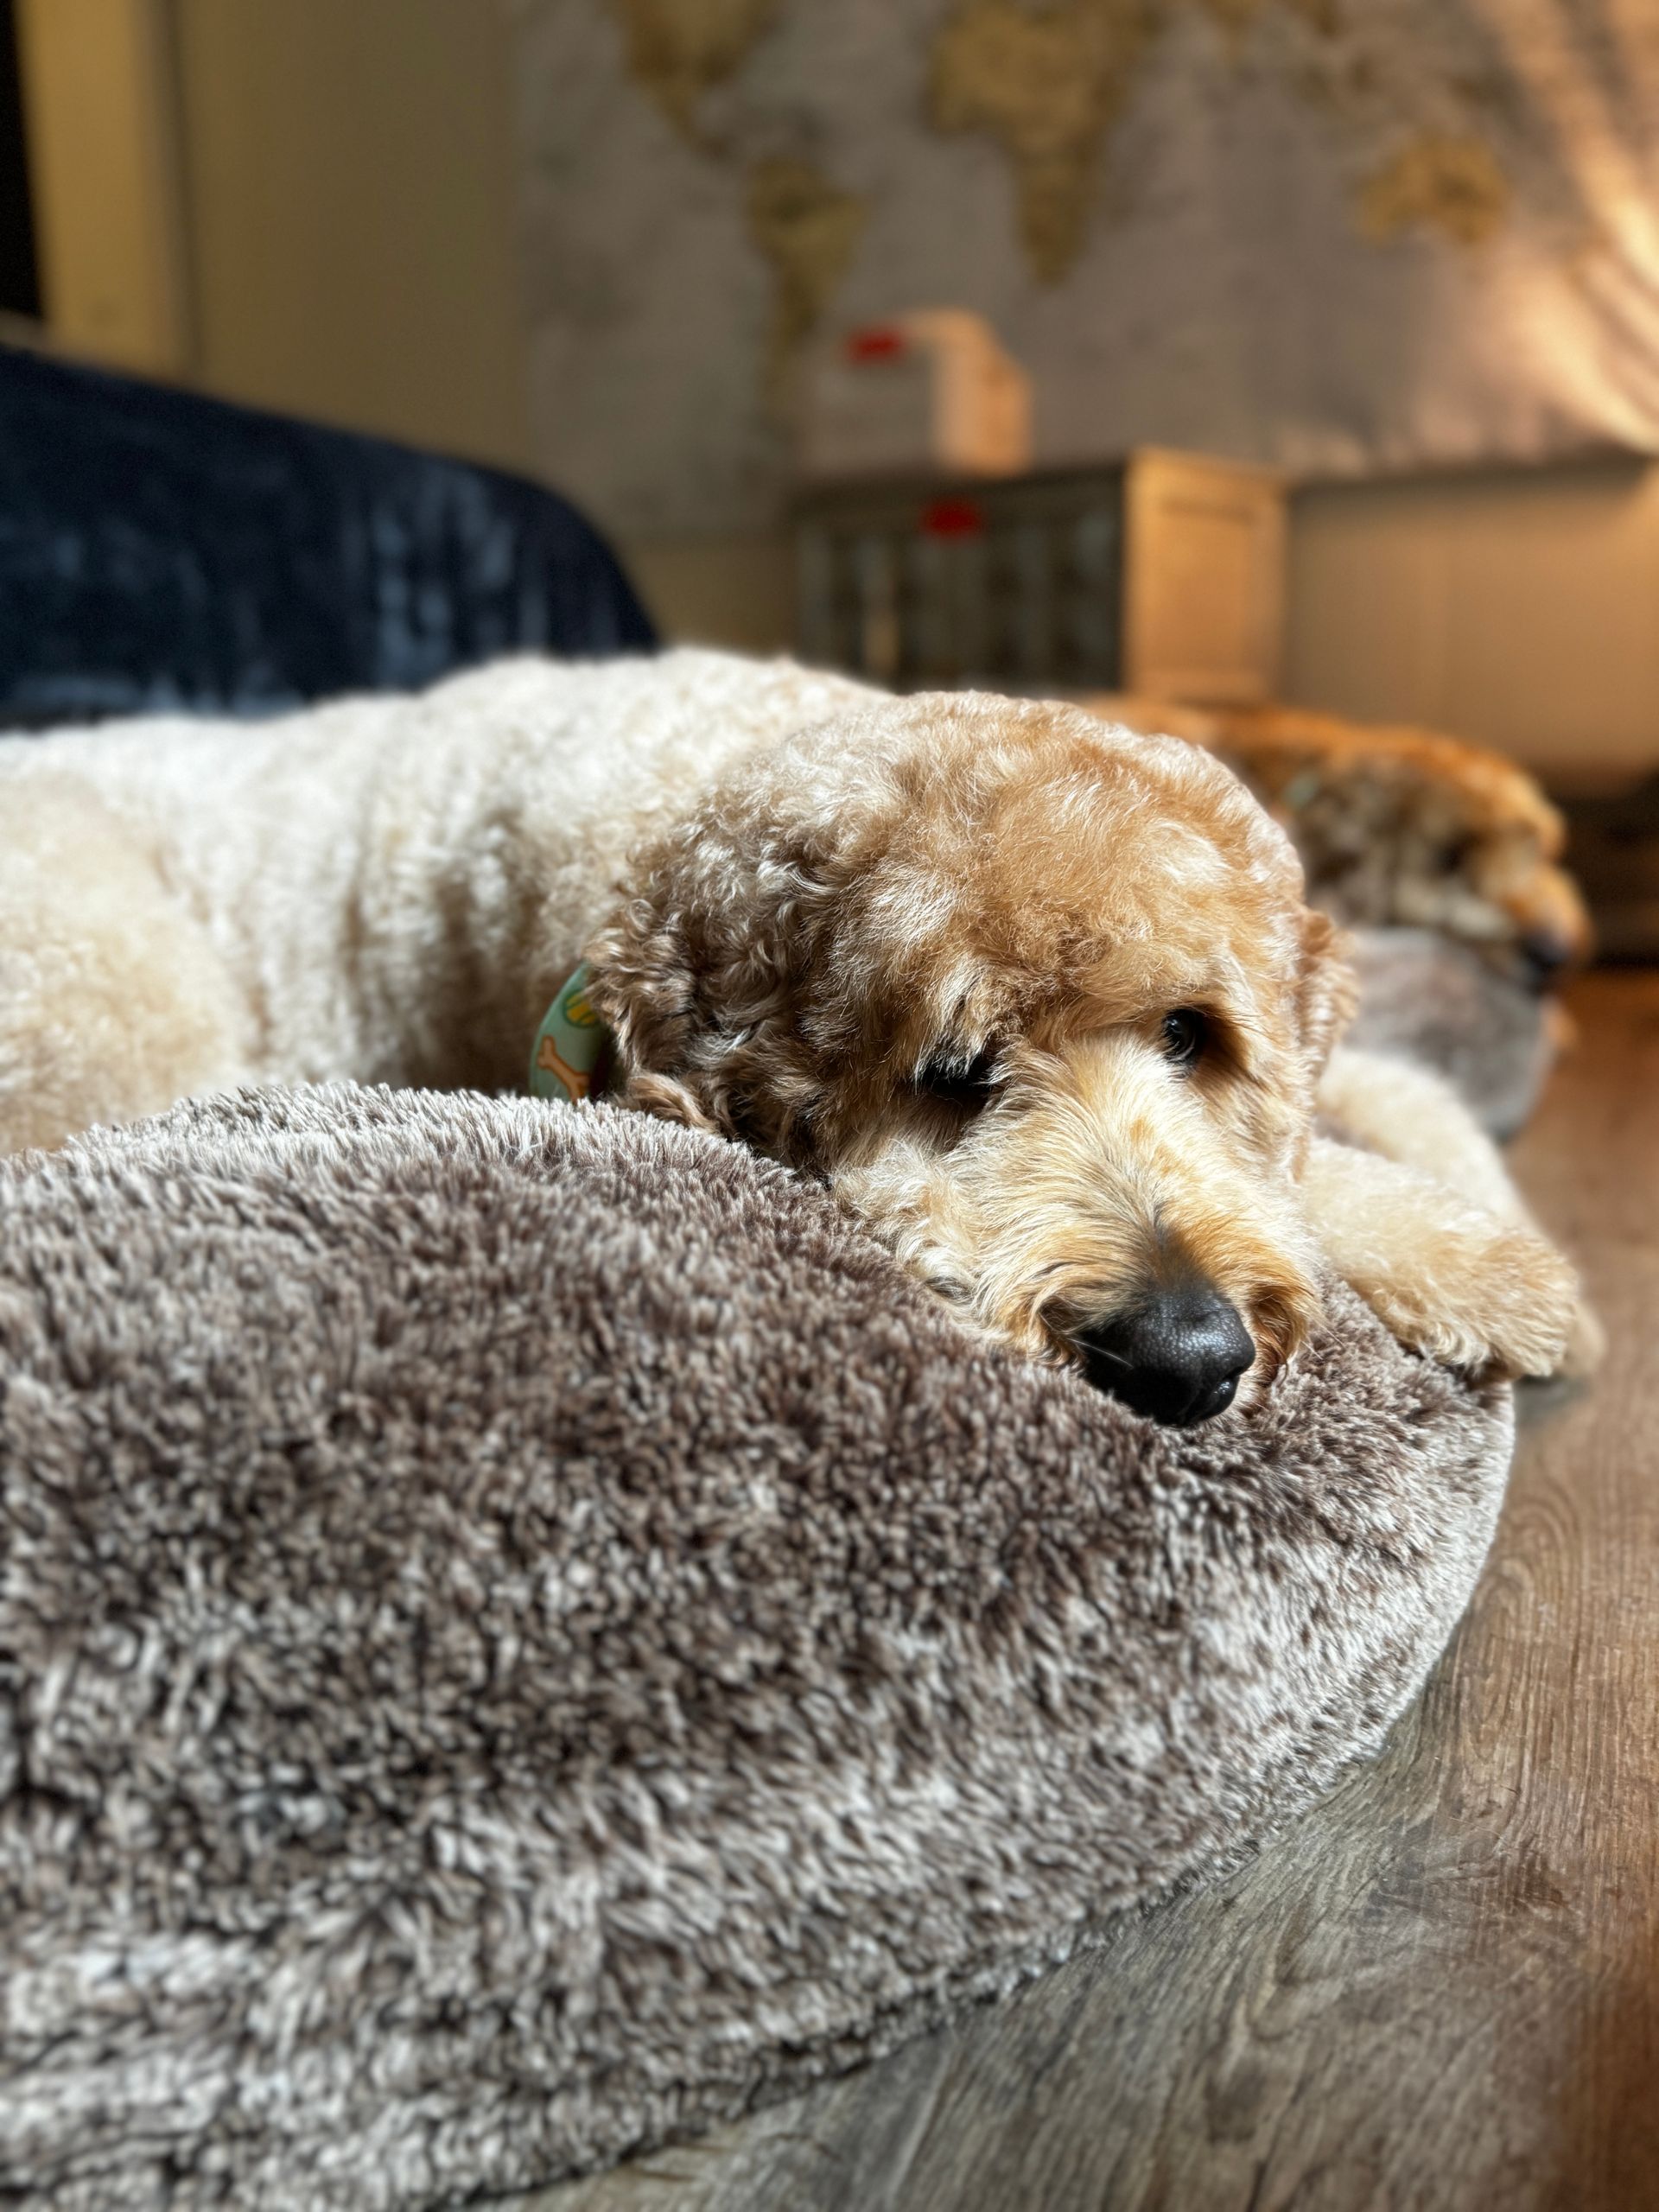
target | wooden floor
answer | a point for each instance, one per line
(1440, 1990)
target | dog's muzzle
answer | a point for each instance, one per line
(1177, 1354)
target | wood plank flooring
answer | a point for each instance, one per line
(1440, 1993)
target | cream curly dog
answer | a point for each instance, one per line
(1040, 997)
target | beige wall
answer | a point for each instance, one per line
(735, 590)
(99, 86)
(352, 228)
(1520, 608)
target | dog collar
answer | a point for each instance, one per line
(571, 1057)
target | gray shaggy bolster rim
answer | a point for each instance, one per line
(520, 1634)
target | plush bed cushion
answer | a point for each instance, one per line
(520, 1634)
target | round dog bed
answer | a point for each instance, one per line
(521, 1633)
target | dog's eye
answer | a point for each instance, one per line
(957, 1082)
(1185, 1034)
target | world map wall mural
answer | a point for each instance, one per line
(1336, 235)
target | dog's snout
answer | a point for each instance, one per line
(1176, 1355)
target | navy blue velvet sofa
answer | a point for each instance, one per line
(162, 550)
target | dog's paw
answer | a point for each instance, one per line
(1486, 1297)
(1472, 1288)
(1587, 1342)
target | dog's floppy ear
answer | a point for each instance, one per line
(1328, 990)
(644, 983)
(697, 973)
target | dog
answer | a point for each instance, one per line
(1040, 999)
(1400, 827)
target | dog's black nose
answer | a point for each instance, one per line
(1544, 953)
(1176, 1356)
